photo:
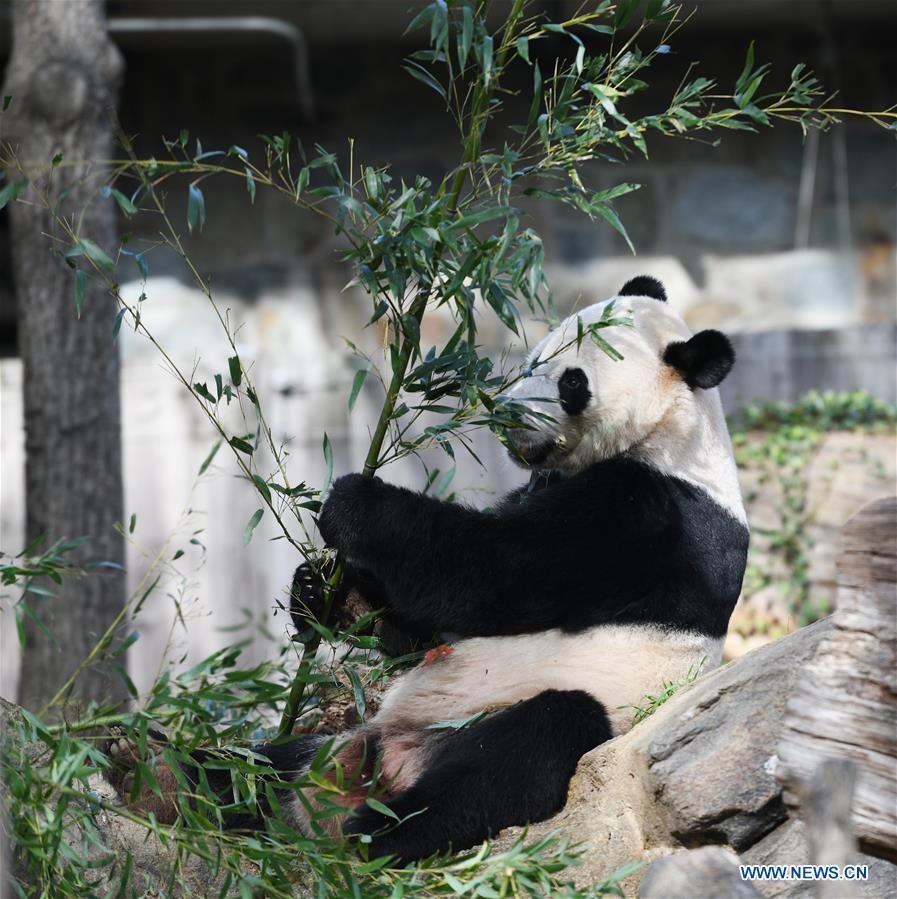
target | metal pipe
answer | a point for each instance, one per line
(842, 188)
(806, 190)
(232, 25)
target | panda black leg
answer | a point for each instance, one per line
(511, 768)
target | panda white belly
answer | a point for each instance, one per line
(616, 664)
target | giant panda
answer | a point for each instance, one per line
(616, 569)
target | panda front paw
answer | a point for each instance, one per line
(307, 594)
(350, 508)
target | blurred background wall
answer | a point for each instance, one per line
(787, 244)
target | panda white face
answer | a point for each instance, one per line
(588, 406)
(655, 403)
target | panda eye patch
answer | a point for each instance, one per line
(573, 391)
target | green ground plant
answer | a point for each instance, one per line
(780, 441)
(651, 702)
(459, 243)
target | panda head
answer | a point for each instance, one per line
(585, 406)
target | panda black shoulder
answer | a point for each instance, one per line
(644, 286)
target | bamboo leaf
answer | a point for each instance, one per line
(378, 806)
(200, 388)
(328, 463)
(746, 71)
(95, 254)
(625, 9)
(236, 372)
(251, 525)
(250, 186)
(466, 37)
(610, 216)
(444, 481)
(614, 192)
(357, 692)
(80, 287)
(484, 215)
(12, 190)
(126, 206)
(238, 443)
(487, 59)
(421, 74)
(371, 182)
(208, 459)
(537, 95)
(357, 384)
(116, 325)
(262, 486)
(142, 267)
(196, 208)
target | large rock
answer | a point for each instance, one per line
(711, 758)
(700, 770)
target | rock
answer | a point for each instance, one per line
(711, 765)
(707, 873)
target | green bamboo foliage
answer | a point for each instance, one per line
(461, 244)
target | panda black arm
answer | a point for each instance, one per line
(429, 555)
(528, 566)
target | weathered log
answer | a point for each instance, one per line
(826, 802)
(844, 704)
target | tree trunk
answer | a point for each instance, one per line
(63, 78)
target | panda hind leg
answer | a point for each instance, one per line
(512, 768)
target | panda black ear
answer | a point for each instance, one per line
(704, 360)
(644, 286)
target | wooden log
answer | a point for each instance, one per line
(844, 704)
